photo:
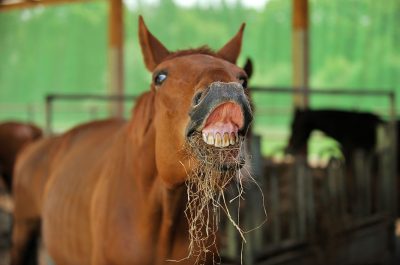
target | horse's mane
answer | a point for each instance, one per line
(142, 114)
(200, 50)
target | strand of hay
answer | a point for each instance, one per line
(206, 186)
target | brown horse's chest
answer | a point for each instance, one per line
(135, 230)
(142, 243)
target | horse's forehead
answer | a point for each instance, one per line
(196, 62)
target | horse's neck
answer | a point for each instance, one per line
(141, 142)
(160, 207)
(163, 210)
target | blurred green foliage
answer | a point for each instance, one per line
(63, 49)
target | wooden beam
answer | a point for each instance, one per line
(115, 47)
(300, 48)
(8, 6)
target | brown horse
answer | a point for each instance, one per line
(13, 137)
(113, 192)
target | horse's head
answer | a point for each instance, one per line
(200, 101)
(300, 132)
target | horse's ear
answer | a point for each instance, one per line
(248, 68)
(231, 50)
(153, 50)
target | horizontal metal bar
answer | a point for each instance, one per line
(52, 97)
(288, 90)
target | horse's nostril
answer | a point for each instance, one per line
(197, 97)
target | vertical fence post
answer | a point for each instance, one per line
(301, 208)
(293, 182)
(275, 205)
(49, 113)
(258, 172)
(362, 166)
(254, 213)
(393, 185)
(310, 201)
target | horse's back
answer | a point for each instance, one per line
(30, 177)
(74, 175)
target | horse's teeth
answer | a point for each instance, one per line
(232, 139)
(218, 140)
(225, 141)
(205, 137)
(210, 139)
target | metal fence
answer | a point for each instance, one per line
(311, 219)
(94, 111)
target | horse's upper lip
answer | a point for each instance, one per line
(219, 94)
(191, 129)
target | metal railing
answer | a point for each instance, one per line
(302, 221)
(77, 97)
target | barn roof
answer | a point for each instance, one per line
(17, 4)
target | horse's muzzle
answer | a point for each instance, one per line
(214, 96)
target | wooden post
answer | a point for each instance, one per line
(49, 115)
(394, 190)
(276, 223)
(116, 63)
(300, 52)
(301, 206)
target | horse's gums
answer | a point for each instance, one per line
(226, 113)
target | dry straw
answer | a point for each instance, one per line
(211, 171)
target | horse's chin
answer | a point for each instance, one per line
(222, 159)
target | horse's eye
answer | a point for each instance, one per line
(243, 81)
(160, 78)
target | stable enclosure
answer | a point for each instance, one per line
(314, 217)
(310, 208)
(324, 213)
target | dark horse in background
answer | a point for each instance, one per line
(13, 137)
(353, 130)
(356, 133)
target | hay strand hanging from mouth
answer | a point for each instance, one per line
(206, 184)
